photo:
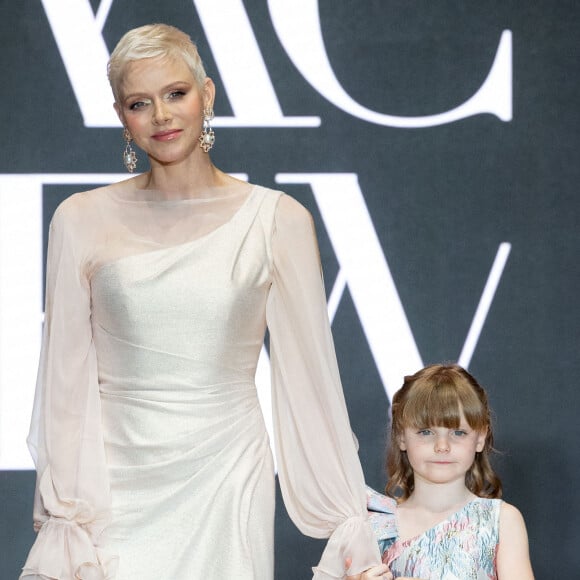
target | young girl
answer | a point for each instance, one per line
(443, 519)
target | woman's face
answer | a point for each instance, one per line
(162, 107)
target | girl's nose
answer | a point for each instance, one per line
(441, 445)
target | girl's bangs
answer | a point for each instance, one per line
(441, 405)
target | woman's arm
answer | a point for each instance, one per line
(380, 572)
(319, 470)
(513, 556)
(72, 504)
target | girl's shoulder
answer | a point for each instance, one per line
(481, 511)
(510, 518)
(382, 517)
(378, 502)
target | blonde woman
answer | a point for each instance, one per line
(152, 456)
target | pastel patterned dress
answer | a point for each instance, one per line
(463, 547)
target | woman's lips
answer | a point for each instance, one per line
(166, 135)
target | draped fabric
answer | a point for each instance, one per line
(152, 455)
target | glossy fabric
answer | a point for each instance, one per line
(177, 336)
(150, 445)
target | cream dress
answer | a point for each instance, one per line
(152, 455)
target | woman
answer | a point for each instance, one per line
(151, 452)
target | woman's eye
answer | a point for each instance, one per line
(176, 94)
(136, 105)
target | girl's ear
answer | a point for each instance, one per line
(402, 443)
(480, 443)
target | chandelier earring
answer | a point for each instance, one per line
(129, 155)
(207, 137)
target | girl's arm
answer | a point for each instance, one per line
(513, 556)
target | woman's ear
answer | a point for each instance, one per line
(119, 113)
(208, 93)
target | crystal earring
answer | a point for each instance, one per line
(129, 156)
(207, 137)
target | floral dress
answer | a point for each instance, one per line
(462, 547)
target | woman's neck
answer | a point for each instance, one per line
(186, 180)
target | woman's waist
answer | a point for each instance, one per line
(176, 390)
(143, 427)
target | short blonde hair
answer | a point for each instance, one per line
(153, 41)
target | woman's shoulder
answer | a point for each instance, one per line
(289, 212)
(86, 205)
(83, 202)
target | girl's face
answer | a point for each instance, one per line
(439, 454)
(162, 107)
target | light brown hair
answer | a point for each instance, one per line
(435, 397)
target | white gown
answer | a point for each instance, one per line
(152, 455)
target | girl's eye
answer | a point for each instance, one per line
(424, 432)
(459, 433)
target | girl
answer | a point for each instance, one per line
(443, 518)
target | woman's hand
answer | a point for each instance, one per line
(375, 573)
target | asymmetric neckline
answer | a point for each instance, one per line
(443, 522)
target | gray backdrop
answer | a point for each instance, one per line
(441, 198)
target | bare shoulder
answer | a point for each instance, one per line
(510, 518)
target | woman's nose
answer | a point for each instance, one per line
(161, 113)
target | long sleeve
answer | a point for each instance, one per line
(318, 466)
(72, 501)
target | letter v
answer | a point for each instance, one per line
(85, 56)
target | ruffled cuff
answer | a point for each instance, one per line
(63, 550)
(354, 539)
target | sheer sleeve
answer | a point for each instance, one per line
(319, 471)
(72, 503)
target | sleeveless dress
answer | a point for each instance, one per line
(152, 454)
(463, 547)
